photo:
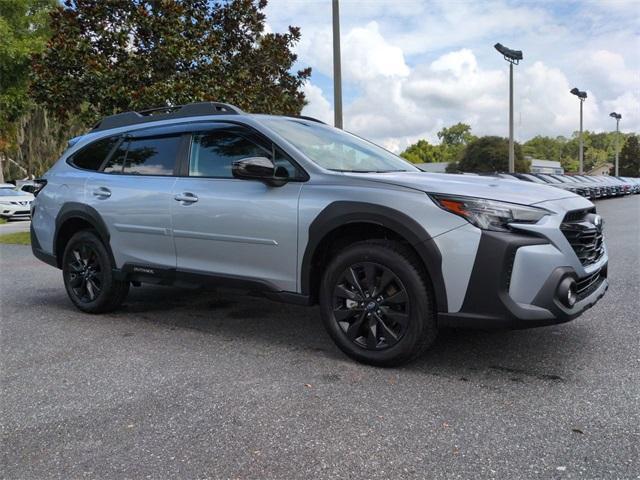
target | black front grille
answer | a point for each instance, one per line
(585, 237)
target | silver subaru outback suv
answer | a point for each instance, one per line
(309, 214)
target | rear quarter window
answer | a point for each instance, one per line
(93, 155)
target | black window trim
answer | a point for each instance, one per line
(250, 135)
(184, 152)
(69, 159)
(127, 137)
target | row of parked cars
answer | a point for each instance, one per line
(591, 187)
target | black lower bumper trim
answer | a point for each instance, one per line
(487, 304)
(39, 253)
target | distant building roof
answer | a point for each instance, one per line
(434, 167)
(601, 169)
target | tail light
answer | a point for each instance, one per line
(40, 183)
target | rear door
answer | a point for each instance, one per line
(236, 228)
(133, 195)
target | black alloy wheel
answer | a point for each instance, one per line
(371, 306)
(88, 273)
(85, 272)
(376, 303)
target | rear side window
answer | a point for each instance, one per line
(152, 156)
(93, 155)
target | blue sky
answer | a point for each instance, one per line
(413, 66)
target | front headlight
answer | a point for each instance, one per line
(489, 214)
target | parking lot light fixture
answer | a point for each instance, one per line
(617, 116)
(582, 96)
(513, 57)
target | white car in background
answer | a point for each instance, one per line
(15, 204)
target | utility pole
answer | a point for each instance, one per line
(617, 116)
(513, 57)
(512, 153)
(337, 69)
(582, 96)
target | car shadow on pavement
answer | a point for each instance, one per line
(541, 354)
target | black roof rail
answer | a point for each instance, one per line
(153, 115)
(304, 117)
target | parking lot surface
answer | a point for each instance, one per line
(204, 384)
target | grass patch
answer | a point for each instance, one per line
(3, 220)
(19, 238)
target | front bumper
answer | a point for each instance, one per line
(515, 283)
(15, 211)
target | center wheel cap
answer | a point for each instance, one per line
(371, 305)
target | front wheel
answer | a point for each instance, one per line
(376, 303)
(87, 271)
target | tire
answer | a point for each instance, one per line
(394, 325)
(87, 271)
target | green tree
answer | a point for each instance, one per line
(453, 141)
(458, 134)
(422, 152)
(629, 160)
(23, 32)
(544, 148)
(110, 56)
(490, 154)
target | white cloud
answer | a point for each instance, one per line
(411, 67)
(318, 106)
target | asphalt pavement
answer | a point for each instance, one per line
(214, 384)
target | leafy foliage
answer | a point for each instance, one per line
(453, 141)
(629, 160)
(490, 154)
(422, 152)
(23, 32)
(599, 148)
(110, 56)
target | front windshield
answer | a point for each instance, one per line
(335, 149)
(533, 178)
(549, 179)
(561, 179)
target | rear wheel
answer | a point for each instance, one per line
(376, 303)
(87, 271)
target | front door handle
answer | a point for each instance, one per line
(102, 192)
(186, 198)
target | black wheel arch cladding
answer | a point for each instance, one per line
(86, 213)
(341, 213)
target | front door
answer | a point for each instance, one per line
(230, 227)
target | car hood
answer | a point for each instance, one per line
(492, 188)
(16, 198)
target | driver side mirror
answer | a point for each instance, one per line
(257, 168)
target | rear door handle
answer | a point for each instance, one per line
(186, 198)
(102, 192)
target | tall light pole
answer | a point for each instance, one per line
(337, 70)
(513, 57)
(617, 116)
(582, 96)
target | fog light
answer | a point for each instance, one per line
(567, 292)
